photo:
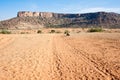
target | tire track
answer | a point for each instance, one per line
(29, 57)
(90, 62)
(5, 41)
(68, 66)
(57, 61)
(47, 57)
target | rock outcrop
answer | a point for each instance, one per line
(35, 14)
(46, 14)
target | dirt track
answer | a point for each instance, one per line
(56, 57)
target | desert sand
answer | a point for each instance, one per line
(84, 56)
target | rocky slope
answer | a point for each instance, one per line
(34, 20)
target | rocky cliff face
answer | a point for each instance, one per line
(47, 19)
(46, 15)
(35, 14)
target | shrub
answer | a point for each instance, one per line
(39, 31)
(22, 33)
(52, 31)
(5, 32)
(58, 32)
(67, 33)
(95, 30)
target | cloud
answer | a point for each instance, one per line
(117, 10)
(79, 9)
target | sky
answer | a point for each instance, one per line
(9, 8)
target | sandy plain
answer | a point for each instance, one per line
(84, 56)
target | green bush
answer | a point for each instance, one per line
(52, 31)
(58, 32)
(5, 32)
(22, 33)
(95, 30)
(67, 33)
(39, 31)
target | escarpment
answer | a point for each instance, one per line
(31, 20)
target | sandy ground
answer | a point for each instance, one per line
(85, 56)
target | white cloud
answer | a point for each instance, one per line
(117, 10)
(78, 9)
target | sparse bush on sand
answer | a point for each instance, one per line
(22, 33)
(95, 30)
(5, 32)
(39, 31)
(58, 32)
(67, 33)
(52, 31)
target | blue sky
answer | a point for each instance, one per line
(9, 8)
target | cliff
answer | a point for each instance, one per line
(46, 14)
(30, 20)
(34, 14)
